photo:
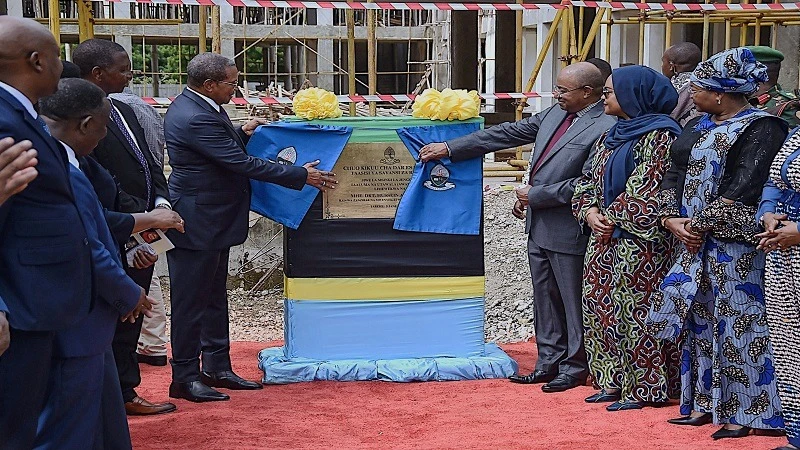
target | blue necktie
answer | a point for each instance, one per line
(138, 152)
(43, 124)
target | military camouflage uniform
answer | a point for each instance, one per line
(783, 104)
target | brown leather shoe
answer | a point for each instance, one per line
(141, 407)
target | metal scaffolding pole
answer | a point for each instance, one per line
(54, 19)
(351, 57)
(372, 58)
(216, 30)
(202, 21)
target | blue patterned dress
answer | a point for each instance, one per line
(713, 300)
(782, 283)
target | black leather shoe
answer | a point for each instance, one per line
(561, 383)
(195, 391)
(602, 397)
(724, 433)
(228, 380)
(537, 376)
(692, 421)
(152, 360)
(624, 406)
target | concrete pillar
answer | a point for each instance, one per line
(624, 44)
(787, 43)
(464, 53)
(228, 48)
(324, 48)
(14, 7)
(654, 45)
(123, 11)
(225, 15)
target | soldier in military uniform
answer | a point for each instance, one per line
(770, 97)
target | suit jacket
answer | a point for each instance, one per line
(549, 222)
(108, 193)
(210, 181)
(118, 157)
(45, 260)
(117, 293)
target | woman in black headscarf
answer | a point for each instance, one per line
(628, 252)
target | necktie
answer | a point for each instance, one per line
(224, 114)
(560, 131)
(228, 121)
(136, 150)
(43, 124)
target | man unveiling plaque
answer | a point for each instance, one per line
(365, 301)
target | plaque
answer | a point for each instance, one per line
(372, 179)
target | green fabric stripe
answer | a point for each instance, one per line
(379, 129)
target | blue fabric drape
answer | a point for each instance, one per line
(442, 196)
(295, 144)
(646, 97)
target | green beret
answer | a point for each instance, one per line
(765, 54)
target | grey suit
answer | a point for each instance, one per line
(556, 244)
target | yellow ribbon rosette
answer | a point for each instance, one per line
(316, 103)
(450, 104)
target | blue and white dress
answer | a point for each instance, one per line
(713, 300)
(782, 283)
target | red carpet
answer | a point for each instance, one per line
(485, 414)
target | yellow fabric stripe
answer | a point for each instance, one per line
(385, 289)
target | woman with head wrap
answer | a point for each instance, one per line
(627, 250)
(780, 215)
(712, 296)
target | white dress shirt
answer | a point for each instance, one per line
(207, 99)
(20, 97)
(71, 155)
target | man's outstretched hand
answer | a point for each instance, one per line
(320, 179)
(435, 150)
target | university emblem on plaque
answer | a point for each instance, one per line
(439, 177)
(389, 157)
(287, 156)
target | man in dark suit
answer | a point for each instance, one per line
(123, 152)
(210, 188)
(564, 136)
(17, 169)
(76, 115)
(45, 253)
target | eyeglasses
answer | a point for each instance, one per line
(558, 90)
(695, 90)
(229, 83)
(607, 90)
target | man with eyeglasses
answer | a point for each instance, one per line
(564, 136)
(125, 154)
(210, 186)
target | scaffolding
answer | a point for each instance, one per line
(279, 61)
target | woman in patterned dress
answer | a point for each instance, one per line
(780, 215)
(712, 296)
(628, 252)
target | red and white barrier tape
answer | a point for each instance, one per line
(351, 98)
(477, 6)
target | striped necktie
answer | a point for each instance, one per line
(117, 118)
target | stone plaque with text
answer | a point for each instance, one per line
(372, 179)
